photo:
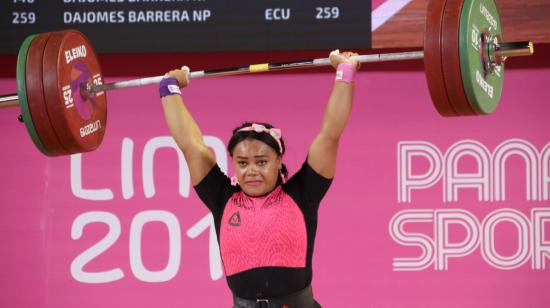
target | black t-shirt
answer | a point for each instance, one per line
(266, 243)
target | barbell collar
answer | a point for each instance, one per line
(514, 49)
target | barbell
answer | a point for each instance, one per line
(63, 102)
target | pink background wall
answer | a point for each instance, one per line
(354, 254)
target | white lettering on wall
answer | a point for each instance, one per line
(440, 249)
(489, 179)
(148, 167)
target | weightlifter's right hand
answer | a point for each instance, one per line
(181, 75)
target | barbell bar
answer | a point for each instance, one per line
(502, 52)
(90, 88)
(257, 68)
(63, 98)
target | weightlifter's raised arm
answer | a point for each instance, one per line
(183, 127)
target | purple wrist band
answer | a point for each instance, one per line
(169, 86)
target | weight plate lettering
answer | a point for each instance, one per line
(69, 63)
(482, 90)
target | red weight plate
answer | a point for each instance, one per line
(450, 29)
(69, 62)
(432, 58)
(35, 96)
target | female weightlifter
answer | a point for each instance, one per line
(265, 224)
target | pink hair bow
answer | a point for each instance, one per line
(273, 132)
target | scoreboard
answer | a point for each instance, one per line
(122, 26)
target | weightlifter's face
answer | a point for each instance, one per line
(257, 167)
